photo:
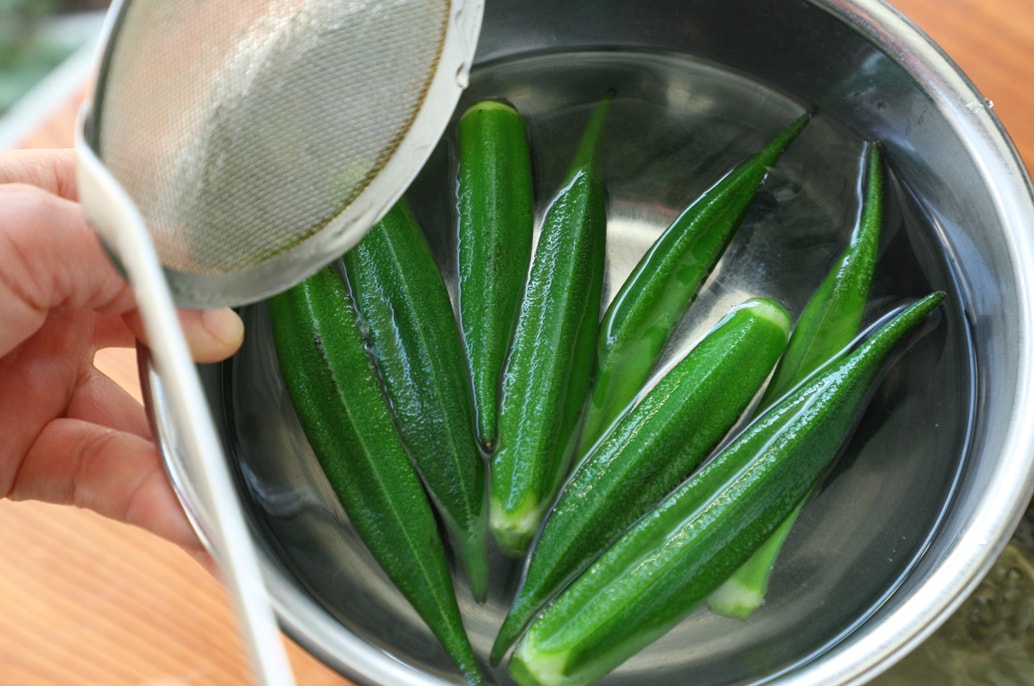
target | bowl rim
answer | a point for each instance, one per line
(970, 556)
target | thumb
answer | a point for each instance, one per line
(50, 257)
(212, 335)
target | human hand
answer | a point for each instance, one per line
(71, 435)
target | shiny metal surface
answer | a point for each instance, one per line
(864, 67)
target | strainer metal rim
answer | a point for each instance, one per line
(277, 273)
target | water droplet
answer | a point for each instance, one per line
(463, 76)
(977, 106)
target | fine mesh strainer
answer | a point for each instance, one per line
(231, 149)
(259, 138)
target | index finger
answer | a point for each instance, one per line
(51, 170)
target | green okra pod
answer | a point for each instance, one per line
(832, 318)
(550, 358)
(651, 449)
(412, 333)
(654, 297)
(829, 321)
(341, 405)
(681, 550)
(495, 217)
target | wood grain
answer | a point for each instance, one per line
(90, 602)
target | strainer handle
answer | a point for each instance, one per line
(116, 218)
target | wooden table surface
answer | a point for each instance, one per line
(90, 602)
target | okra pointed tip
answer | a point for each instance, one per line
(927, 304)
(897, 324)
(873, 147)
(471, 546)
(513, 625)
(778, 145)
(474, 677)
(477, 579)
(874, 182)
(499, 648)
(586, 155)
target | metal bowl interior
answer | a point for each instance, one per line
(938, 472)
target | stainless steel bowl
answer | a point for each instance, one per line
(940, 471)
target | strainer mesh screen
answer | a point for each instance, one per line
(240, 128)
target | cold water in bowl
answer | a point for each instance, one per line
(675, 127)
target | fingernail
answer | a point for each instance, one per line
(224, 325)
